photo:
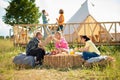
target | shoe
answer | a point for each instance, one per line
(37, 62)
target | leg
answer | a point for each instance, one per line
(88, 55)
(39, 53)
(58, 29)
(61, 27)
(45, 31)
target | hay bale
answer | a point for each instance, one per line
(62, 61)
(78, 60)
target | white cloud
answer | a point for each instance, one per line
(3, 25)
(3, 3)
(108, 10)
(4, 28)
(52, 7)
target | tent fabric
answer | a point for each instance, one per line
(84, 15)
(78, 17)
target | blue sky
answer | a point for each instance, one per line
(106, 10)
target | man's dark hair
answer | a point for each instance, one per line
(38, 33)
(43, 11)
(85, 37)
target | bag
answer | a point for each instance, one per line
(23, 59)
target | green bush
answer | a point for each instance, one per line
(109, 49)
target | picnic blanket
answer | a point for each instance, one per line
(96, 59)
(100, 61)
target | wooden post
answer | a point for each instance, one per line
(115, 33)
(84, 28)
(69, 32)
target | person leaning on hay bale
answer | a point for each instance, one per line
(35, 47)
(90, 50)
(61, 44)
(91, 54)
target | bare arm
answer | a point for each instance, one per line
(56, 40)
(84, 49)
(45, 42)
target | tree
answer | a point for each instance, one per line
(21, 12)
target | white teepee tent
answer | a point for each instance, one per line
(84, 15)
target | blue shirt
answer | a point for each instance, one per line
(44, 18)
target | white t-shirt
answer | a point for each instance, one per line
(92, 47)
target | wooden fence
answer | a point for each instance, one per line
(101, 33)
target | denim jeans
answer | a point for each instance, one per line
(60, 28)
(88, 55)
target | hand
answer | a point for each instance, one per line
(39, 44)
(84, 49)
(48, 19)
(46, 14)
(50, 37)
(57, 19)
(80, 49)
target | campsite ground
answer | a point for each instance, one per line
(8, 70)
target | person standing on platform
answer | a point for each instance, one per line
(45, 21)
(60, 20)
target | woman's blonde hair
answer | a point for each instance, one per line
(58, 32)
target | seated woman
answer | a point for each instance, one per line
(90, 50)
(60, 43)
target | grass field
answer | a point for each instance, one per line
(8, 70)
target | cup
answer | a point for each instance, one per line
(71, 51)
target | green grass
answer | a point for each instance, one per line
(8, 70)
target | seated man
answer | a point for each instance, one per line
(35, 48)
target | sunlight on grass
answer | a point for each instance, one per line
(8, 70)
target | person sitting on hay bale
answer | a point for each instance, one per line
(91, 54)
(35, 47)
(61, 44)
(90, 50)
